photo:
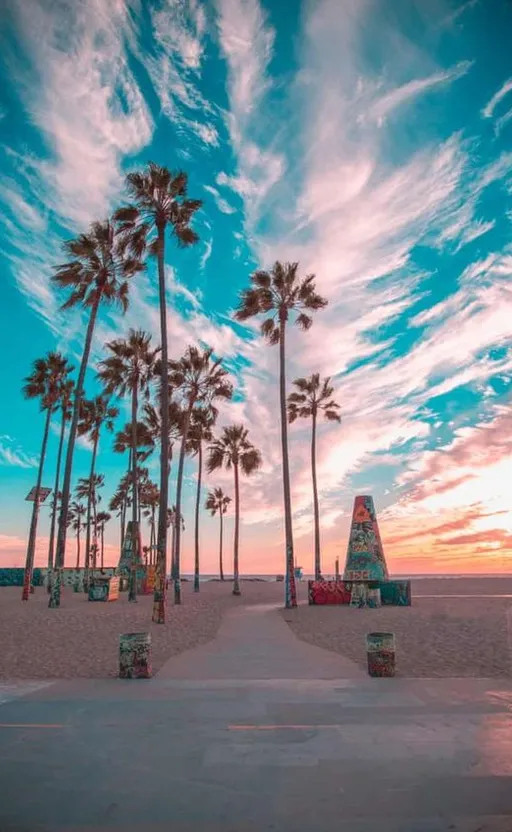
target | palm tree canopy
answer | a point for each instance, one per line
(233, 448)
(99, 268)
(149, 497)
(217, 501)
(86, 484)
(313, 395)
(103, 517)
(277, 293)
(48, 380)
(201, 423)
(152, 421)
(76, 515)
(171, 518)
(159, 200)
(145, 441)
(94, 415)
(131, 364)
(199, 379)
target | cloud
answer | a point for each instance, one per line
(388, 102)
(488, 110)
(12, 454)
(221, 203)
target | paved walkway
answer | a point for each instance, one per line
(257, 731)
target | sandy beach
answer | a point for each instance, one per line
(438, 636)
(81, 639)
(441, 634)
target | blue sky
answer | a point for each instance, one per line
(369, 140)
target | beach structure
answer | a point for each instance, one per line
(365, 579)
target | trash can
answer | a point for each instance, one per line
(135, 656)
(380, 650)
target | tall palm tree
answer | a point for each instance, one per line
(95, 414)
(120, 502)
(44, 383)
(88, 489)
(65, 395)
(314, 396)
(200, 382)
(76, 517)
(279, 294)
(129, 369)
(200, 431)
(151, 419)
(217, 503)
(172, 522)
(102, 520)
(160, 202)
(233, 450)
(97, 274)
(150, 499)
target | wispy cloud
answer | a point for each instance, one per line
(222, 204)
(406, 93)
(488, 110)
(11, 453)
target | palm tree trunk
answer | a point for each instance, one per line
(29, 563)
(132, 594)
(290, 590)
(318, 571)
(198, 500)
(102, 547)
(221, 569)
(55, 497)
(89, 515)
(78, 547)
(236, 582)
(159, 593)
(179, 483)
(66, 487)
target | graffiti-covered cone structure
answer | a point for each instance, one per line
(365, 555)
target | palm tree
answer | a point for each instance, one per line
(151, 419)
(200, 382)
(88, 489)
(217, 502)
(102, 520)
(278, 294)
(129, 369)
(120, 502)
(172, 521)
(66, 392)
(95, 414)
(233, 450)
(314, 396)
(200, 431)
(97, 274)
(150, 500)
(76, 517)
(159, 203)
(44, 383)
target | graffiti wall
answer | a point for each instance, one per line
(329, 592)
(365, 555)
(14, 576)
(396, 593)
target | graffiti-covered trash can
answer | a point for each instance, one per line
(380, 650)
(135, 656)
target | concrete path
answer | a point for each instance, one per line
(255, 643)
(277, 736)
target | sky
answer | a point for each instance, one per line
(369, 140)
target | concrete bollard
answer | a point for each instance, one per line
(135, 656)
(380, 650)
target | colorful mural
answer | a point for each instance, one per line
(380, 651)
(329, 592)
(396, 593)
(14, 576)
(135, 656)
(365, 555)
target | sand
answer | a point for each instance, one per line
(436, 637)
(81, 639)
